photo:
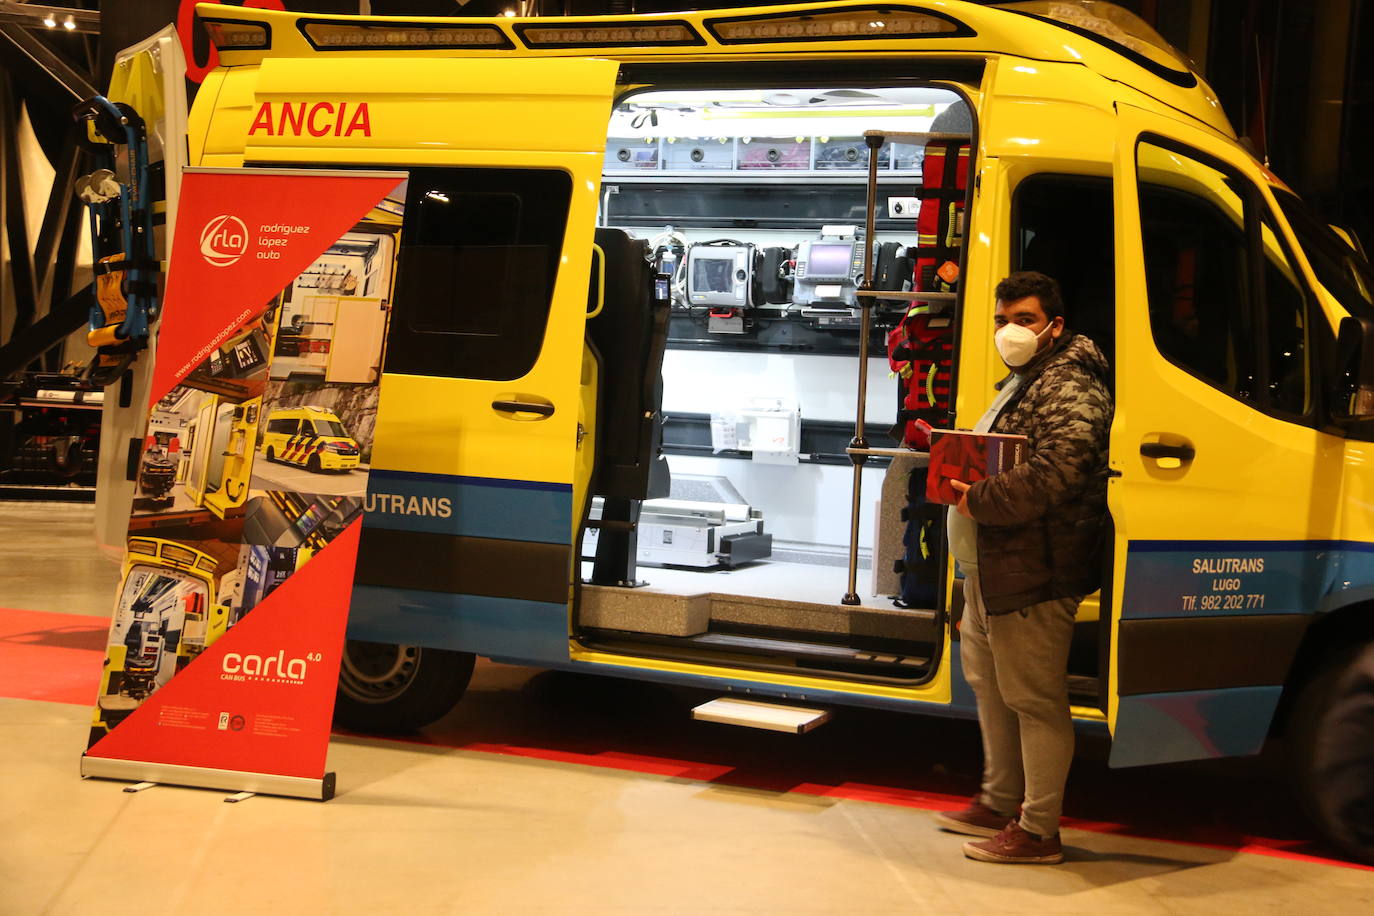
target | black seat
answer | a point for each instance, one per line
(628, 337)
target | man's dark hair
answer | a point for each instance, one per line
(1025, 283)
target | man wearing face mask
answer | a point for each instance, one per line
(1029, 541)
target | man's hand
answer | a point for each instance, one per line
(962, 489)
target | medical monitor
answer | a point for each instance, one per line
(827, 272)
(826, 260)
(720, 274)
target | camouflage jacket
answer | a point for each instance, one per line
(1041, 524)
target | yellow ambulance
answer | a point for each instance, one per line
(310, 437)
(525, 385)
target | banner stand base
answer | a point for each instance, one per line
(205, 778)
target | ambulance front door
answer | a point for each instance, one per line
(1224, 487)
(478, 468)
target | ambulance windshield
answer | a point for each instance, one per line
(330, 428)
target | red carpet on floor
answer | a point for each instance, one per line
(49, 656)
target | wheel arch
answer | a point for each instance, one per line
(1347, 621)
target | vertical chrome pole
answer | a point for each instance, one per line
(874, 140)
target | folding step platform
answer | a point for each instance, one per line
(773, 717)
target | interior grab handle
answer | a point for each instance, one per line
(600, 280)
(1161, 450)
(534, 407)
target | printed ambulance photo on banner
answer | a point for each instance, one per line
(284, 518)
(261, 569)
(174, 602)
(197, 455)
(237, 368)
(315, 438)
(281, 532)
(332, 323)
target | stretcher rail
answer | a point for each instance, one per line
(921, 458)
(913, 294)
(917, 136)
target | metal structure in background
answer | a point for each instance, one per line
(46, 65)
(41, 270)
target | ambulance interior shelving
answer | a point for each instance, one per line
(347, 287)
(751, 204)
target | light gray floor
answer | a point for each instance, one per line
(436, 830)
(420, 829)
(51, 560)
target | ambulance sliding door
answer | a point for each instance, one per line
(478, 465)
(1225, 487)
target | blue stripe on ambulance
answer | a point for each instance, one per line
(1170, 582)
(532, 512)
(1220, 578)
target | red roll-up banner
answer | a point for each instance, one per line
(228, 629)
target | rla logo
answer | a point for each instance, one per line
(223, 240)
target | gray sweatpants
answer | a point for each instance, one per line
(1017, 664)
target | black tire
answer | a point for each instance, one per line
(390, 688)
(1331, 750)
(269, 454)
(312, 464)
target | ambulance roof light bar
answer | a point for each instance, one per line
(654, 33)
(233, 35)
(846, 24)
(341, 35)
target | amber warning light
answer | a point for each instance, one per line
(232, 35)
(382, 36)
(846, 25)
(608, 34)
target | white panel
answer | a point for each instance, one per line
(825, 387)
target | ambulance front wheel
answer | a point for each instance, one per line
(269, 454)
(1332, 750)
(390, 688)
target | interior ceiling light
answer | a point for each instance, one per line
(49, 21)
(69, 23)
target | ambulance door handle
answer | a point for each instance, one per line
(1183, 453)
(542, 410)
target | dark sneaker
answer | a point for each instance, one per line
(1015, 846)
(975, 820)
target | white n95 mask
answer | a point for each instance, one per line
(1018, 344)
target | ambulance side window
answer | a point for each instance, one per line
(286, 427)
(1062, 226)
(1225, 302)
(479, 255)
(1286, 351)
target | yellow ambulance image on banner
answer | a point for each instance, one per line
(311, 437)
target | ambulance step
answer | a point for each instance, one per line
(773, 717)
(759, 645)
